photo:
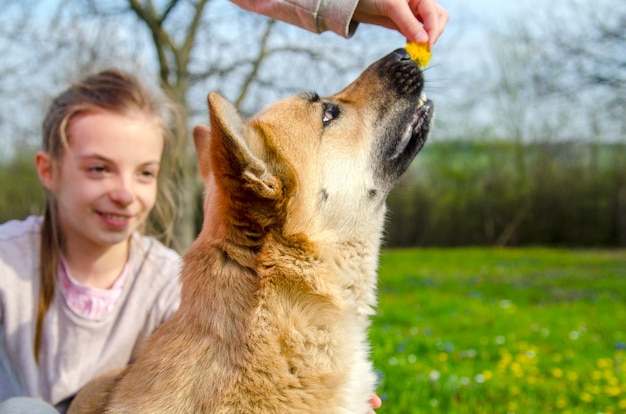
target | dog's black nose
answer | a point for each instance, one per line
(401, 54)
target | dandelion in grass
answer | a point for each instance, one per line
(561, 402)
(604, 363)
(612, 390)
(586, 397)
(557, 372)
(516, 369)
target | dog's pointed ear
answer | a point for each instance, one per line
(230, 156)
(201, 139)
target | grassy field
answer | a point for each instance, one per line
(501, 331)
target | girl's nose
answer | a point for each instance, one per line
(121, 192)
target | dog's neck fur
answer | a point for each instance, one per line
(231, 260)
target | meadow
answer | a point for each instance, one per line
(474, 330)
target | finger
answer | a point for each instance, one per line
(442, 21)
(376, 401)
(428, 13)
(375, 20)
(404, 18)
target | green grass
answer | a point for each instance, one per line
(501, 331)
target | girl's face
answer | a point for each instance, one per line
(106, 182)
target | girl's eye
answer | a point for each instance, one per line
(148, 174)
(97, 169)
(331, 111)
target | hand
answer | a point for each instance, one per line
(417, 20)
(376, 402)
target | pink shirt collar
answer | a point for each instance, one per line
(90, 303)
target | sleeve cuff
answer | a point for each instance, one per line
(336, 16)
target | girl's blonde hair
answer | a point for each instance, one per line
(111, 91)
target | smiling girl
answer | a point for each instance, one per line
(81, 287)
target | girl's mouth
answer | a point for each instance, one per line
(115, 220)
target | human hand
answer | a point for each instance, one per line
(417, 20)
(376, 402)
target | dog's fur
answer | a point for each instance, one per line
(279, 286)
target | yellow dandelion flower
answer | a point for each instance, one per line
(612, 391)
(586, 397)
(517, 370)
(419, 52)
(622, 404)
(561, 402)
(557, 372)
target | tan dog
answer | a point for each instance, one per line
(280, 284)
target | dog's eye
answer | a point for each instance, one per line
(331, 111)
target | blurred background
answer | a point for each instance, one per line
(529, 145)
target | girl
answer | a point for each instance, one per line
(68, 279)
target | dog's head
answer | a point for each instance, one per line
(312, 165)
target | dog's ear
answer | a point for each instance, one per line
(201, 139)
(230, 156)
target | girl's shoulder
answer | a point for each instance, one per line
(19, 249)
(16, 229)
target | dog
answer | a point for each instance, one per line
(279, 286)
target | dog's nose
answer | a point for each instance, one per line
(401, 54)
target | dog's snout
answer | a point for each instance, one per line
(402, 73)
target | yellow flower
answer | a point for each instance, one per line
(419, 52)
(561, 402)
(586, 397)
(557, 372)
(612, 391)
